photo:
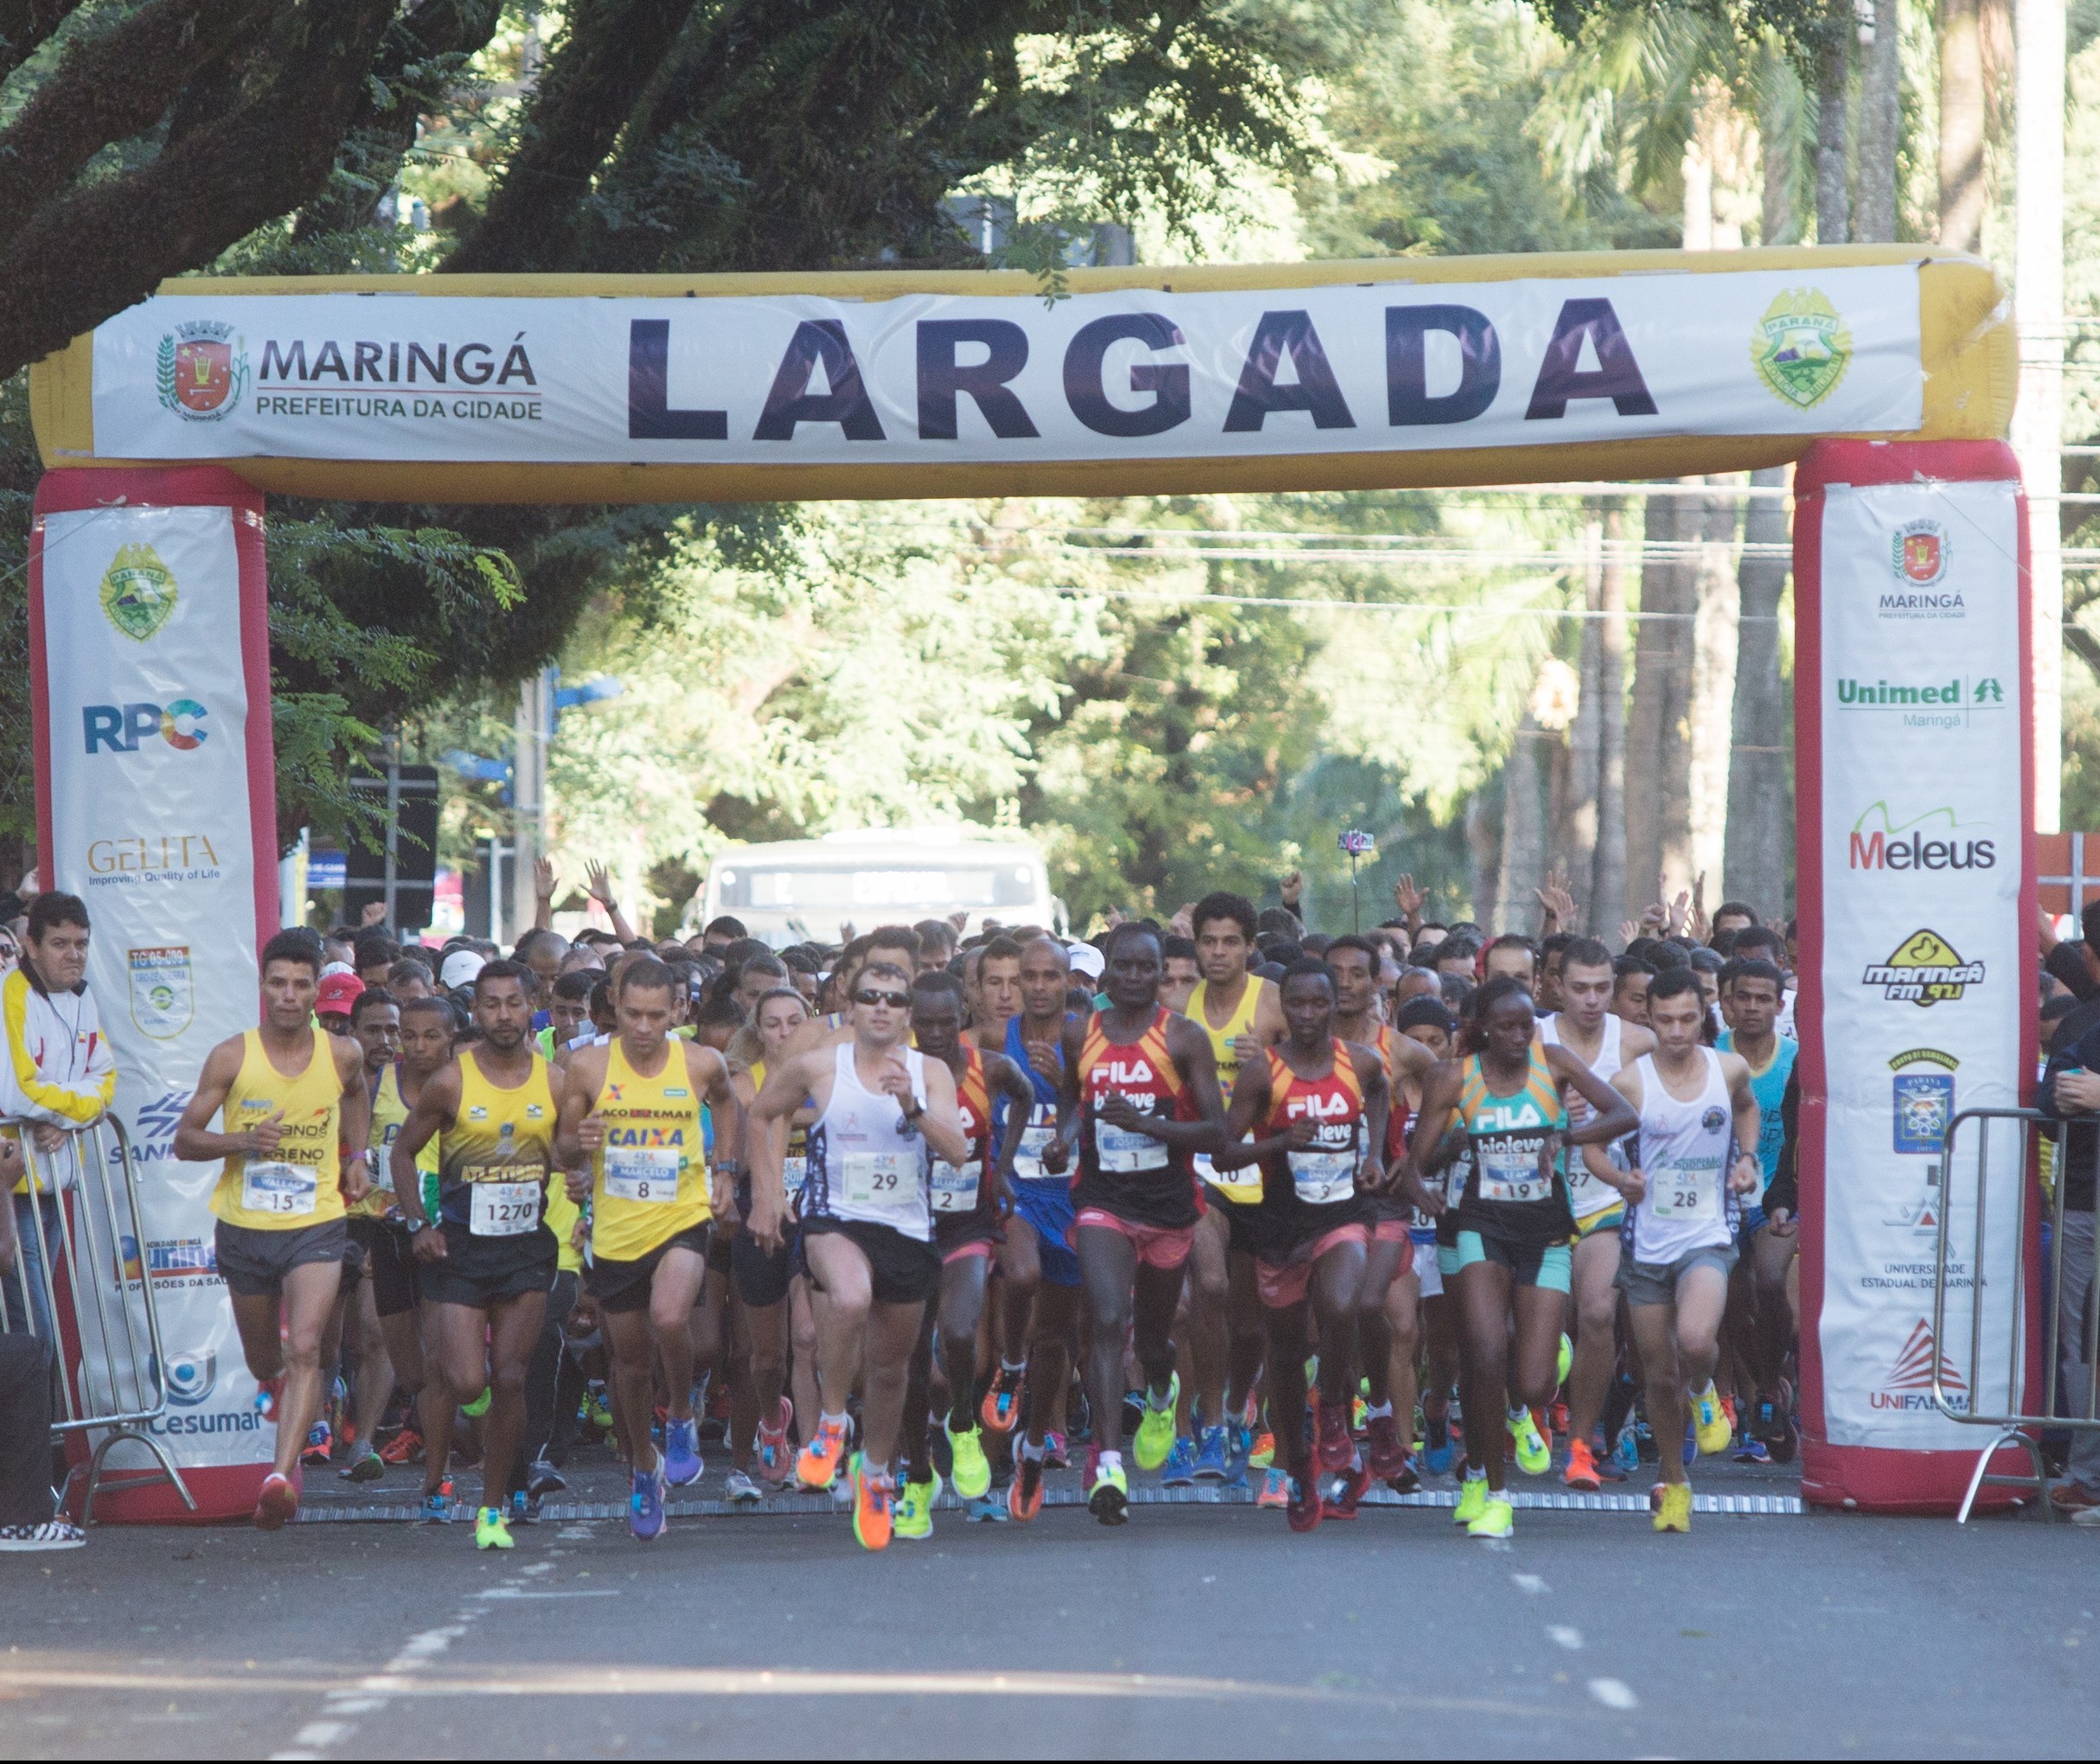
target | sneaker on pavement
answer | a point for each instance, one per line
(1276, 1489)
(1108, 1489)
(542, 1479)
(52, 1534)
(773, 1456)
(1388, 1449)
(1304, 1509)
(913, 1517)
(645, 1505)
(1001, 1408)
(1710, 1422)
(1024, 1494)
(970, 1469)
(368, 1467)
(1472, 1500)
(1334, 1436)
(1674, 1513)
(1581, 1473)
(681, 1461)
(1497, 1519)
(1180, 1469)
(874, 1505)
(405, 1447)
(741, 1491)
(1534, 1453)
(818, 1463)
(1214, 1460)
(276, 1502)
(1154, 1437)
(1346, 1489)
(492, 1530)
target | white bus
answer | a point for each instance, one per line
(805, 889)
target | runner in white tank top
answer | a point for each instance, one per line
(1588, 1195)
(1697, 1115)
(865, 1164)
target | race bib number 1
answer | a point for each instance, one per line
(1126, 1151)
(285, 1189)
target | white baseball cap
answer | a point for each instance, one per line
(459, 969)
(1086, 960)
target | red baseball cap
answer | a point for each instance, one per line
(338, 992)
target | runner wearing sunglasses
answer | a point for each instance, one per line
(884, 1113)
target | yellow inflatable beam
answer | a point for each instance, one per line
(1966, 349)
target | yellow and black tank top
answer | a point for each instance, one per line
(300, 1183)
(389, 1110)
(649, 1182)
(1245, 1185)
(494, 1161)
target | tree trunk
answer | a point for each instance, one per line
(1778, 223)
(1607, 903)
(1575, 826)
(1483, 853)
(1873, 219)
(1833, 202)
(1760, 796)
(1961, 193)
(1710, 709)
(1523, 865)
(1658, 759)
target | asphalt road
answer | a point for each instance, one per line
(1200, 1632)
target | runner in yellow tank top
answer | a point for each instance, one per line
(631, 1141)
(291, 1093)
(487, 1263)
(1241, 1012)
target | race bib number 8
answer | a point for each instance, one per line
(1126, 1151)
(1511, 1172)
(887, 1181)
(954, 1191)
(503, 1209)
(1323, 1177)
(650, 1177)
(285, 1190)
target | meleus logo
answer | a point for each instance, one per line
(120, 728)
(1923, 970)
(1880, 842)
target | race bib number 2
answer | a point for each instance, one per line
(955, 1191)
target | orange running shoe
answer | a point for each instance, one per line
(818, 1467)
(277, 1502)
(1001, 1408)
(1581, 1473)
(405, 1447)
(1024, 1494)
(875, 1501)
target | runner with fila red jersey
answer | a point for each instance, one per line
(1513, 1227)
(1585, 1027)
(1039, 1271)
(631, 1140)
(1239, 1013)
(884, 1113)
(488, 1260)
(292, 1096)
(1388, 1331)
(1315, 1110)
(1696, 1163)
(972, 1201)
(1139, 1097)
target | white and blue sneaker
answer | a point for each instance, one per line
(1213, 1455)
(681, 1463)
(645, 1506)
(1180, 1469)
(437, 1507)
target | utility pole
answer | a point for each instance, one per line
(533, 725)
(2037, 419)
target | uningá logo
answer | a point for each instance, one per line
(1923, 970)
(1919, 552)
(1800, 348)
(1923, 1087)
(201, 370)
(139, 592)
(190, 1378)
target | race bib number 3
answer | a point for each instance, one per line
(503, 1209)
(1511, 1172)
(1323, 1177)
(1126, 1151)
(284, 1190)
(954, 1191)
(649, 1177)
(886, 1181)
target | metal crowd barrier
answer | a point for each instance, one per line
(2012, 1428)
(111, 1379)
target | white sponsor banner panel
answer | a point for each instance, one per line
(148, 787)
(1135, 374)
(1923, 944)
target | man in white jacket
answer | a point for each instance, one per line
(57, 1075)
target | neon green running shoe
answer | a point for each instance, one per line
(914, 1515)
(479, 1406)
(1534, 1456)
(492, 1530)
(1472, 1500)
(1108, 1496)
(973, 1471)
(1566, 1360)
(1710, 1422)
(1496, 1520)
(1154, 1437)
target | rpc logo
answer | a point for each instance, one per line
(120, 728)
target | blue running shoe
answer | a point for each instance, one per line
(645, 1506)
(1213, 1455)
(1242, 1440)
(1750, 1449)
(1438, 1453)
(1691, 1441)
(437, 1508)
(524, 1510)
(1180, 1469)
(1626, 1453)
(682, 1464)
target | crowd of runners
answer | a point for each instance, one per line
(1219, 1200)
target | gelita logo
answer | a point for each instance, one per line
(120, 728)
(1927, 841)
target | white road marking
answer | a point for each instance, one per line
(321, 1733)
(1530, 1583)
(1567, 1637)
(1614, 1693)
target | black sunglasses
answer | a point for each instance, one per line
(895, 1000)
